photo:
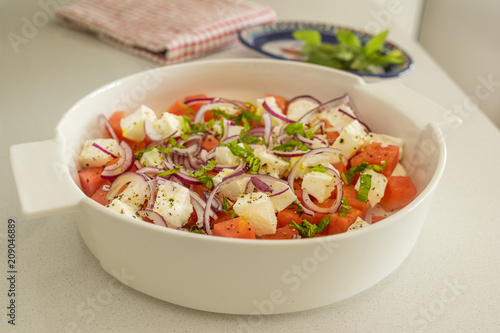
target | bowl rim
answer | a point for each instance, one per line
(393, 218)
(248, 43)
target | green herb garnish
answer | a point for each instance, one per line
(291, 145)
(349, 175)
(253, 163)
(195, 229)
(227, 208)
(298, 128)
(202, 175)
(171, 171)
(248, 138)
(365, 183)
(319, 168)
(307, 229)
(349, 53)
(161, 149)
(189, 127)
(344, 208)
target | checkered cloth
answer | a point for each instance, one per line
(166, 31)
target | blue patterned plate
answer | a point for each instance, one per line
(275, 40)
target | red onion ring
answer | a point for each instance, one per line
(104, 150)
(122, 180)
(276, 113)
(153, 216)
(123, 164)
(108, 126)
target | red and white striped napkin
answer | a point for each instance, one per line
(166, 31)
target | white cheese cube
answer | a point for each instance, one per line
(133, 125)
(228, 130)
(351, 139)
(271, 103)
(327, 158)
(258, 210)
(122, 208)
(282, 200)
(270, 164)
(377, 188)
(134, 195)
(300, 107)
(319, 184)
(399, 170)
(337, 118)
(358, 224)
(233, 189)
(92, 156)
(168, 124)
(224, 157)
(385, 140)
(174, 204)
(153, 158)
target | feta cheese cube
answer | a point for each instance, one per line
(300, 107)
(133, 195)
(153, 158)
(377, 189)
(133, 125)
(271, 103)
(122, 208)
(399, 170)
(228, 130)
(337, 118)
(168, 124)
(326, 158)
(351, 139)
(319, 184)
(282, 200)
(258, 210)
(92, 156)
(232, 190)
(224, 157)
(174, 204)
(270, 164)
(358, 224)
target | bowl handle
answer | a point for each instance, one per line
(44, 184)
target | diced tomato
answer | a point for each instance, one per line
(340, 167)
(91, 180)
(399, 192)
(339, 224)
(377, 218)
(285, 232)
(180, 109)
(332, 136)
(376, 153)
(234, 228)
(115, 120)
(209, 142)
(138, 146)
(289, 215)
(99, 194)
(350, 194)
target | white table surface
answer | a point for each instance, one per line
(449, 283)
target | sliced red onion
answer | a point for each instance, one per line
(267, 127)
(104, 150)
(186, 178)
(217, 103)
(286, 189)
(260, 184)
(230, 138)
(216, 203)
(192, 145)
(149, 170)
(276, 113)
(123, 164)
(355, 118)
(108, 126)
(153, 216)
(302, 97)
(198, 100)
(334, 103)
(289, 154)
(152, 134)
(293, 172)
(308, 203)
(124, 179)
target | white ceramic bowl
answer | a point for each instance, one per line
(234, 275)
